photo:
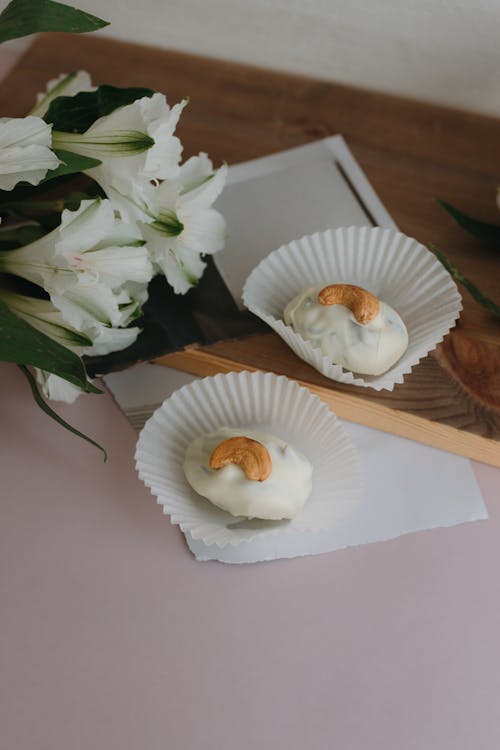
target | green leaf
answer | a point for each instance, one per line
(22, 344)
(24, 17)
(71, 164)
(20, 236)
(75, 114)
(476, 293)
(48, 410)
(46, 212)
(22, 191)
(35, 193)
(489, 234)
(39, 313)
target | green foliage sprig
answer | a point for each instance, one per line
(24, 17)
(488, 235)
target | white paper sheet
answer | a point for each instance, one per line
(271, 201)
(408, 486)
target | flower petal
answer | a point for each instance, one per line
(181, 272)
(85, 304)
(56, 388)
(129, 197)
(24, 131)
(163, 196)
(195, 171)
(114, 266)
(202, 196)
(24, 151)
(191, 263)
(108, 340)
(67, 84)
(25, 164)
(204, 231)
(84, 228)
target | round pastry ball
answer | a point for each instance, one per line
(280, 495)
(367, 348)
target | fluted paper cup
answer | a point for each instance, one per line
(259, 401)
(394, 267)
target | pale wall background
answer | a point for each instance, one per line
(444, 51)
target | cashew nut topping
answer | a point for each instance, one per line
(248, 454)
(350, 326)
(242, 491)
(363, 305)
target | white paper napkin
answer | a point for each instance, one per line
(273, 200)
(408, 486)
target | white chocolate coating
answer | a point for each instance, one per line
(369, 349)
(281, 496)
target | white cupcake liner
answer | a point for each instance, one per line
(261, 401)
(397, 269)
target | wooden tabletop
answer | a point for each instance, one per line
(412, 152)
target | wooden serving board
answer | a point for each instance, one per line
(412, 153)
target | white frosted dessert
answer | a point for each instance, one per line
(350, 325)
(249, 474)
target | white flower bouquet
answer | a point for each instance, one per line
(75, 266)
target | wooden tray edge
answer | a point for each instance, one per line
(346, 406)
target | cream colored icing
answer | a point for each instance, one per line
(281, 496)
(369, 349)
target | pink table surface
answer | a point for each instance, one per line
(113, 636)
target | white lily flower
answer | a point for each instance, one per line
(67, 84)
(182, 225)
(89, 247)
(130, 200)
(181, 266)
(42, 315)
(133, 141)
(95, 339)
(106, 340)
(94, 243)
(84, 265)
(25, 154)
(56, 388)
(84, 305)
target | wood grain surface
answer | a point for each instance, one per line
(413, 153)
